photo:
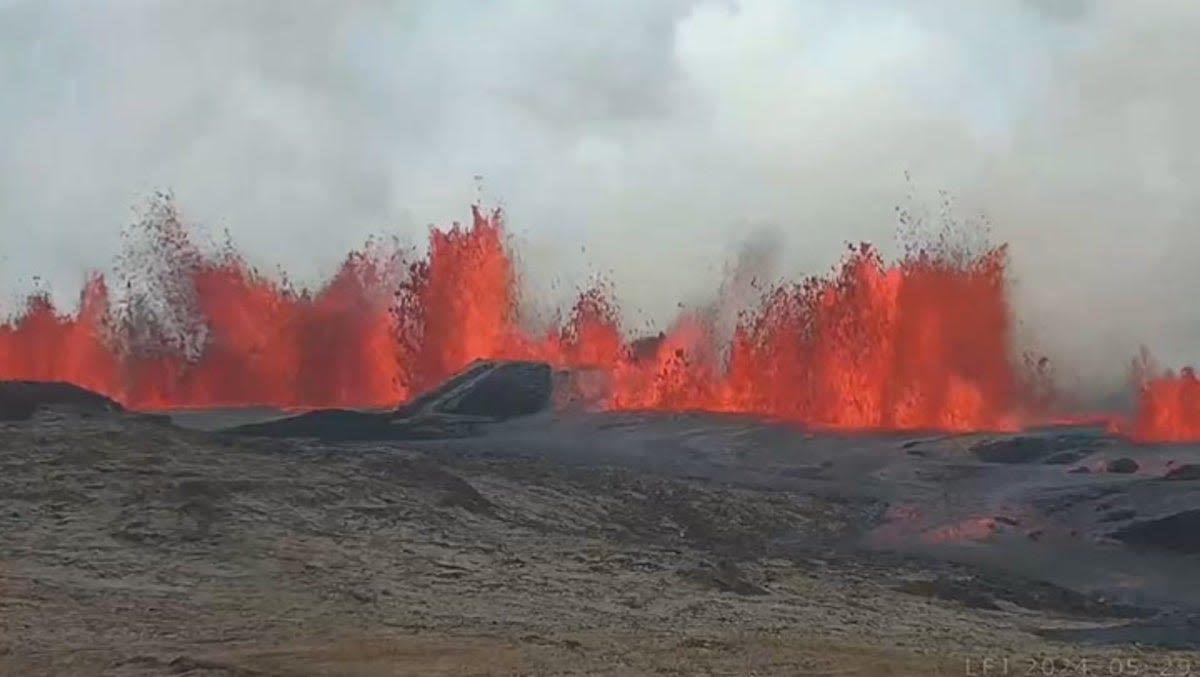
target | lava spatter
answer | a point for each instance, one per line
(1168, 403)
(923, 343)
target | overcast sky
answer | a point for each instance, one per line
(658, 135)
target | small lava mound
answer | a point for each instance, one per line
(503, 391)
(987, 592)
(20, 400)
(1183, 473)
(1178, 632)
(1179, 533)
(486, 391)
(1067, 457)
(326, 424)
(1052, 449)
(1122, 466)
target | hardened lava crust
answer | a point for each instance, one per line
(491, 527)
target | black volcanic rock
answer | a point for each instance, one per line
(325, 424)
(485, 391)
(985, 593)
(1122, 466)
(1055, 449)
(494, 389)
(1179, 532)
(430, 398)
(20, 400)
(1173, 631)
(1068, 457)
(506, 390)
(1190, 471)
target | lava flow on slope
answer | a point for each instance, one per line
(924, 343)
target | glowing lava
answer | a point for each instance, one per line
(924, 343)
(1168, 404)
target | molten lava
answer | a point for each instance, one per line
(925, 343)
(1168, 404)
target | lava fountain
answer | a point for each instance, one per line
(922, 343)
(1168, 404)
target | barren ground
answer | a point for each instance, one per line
(131, 546)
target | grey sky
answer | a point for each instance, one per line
(657, 134)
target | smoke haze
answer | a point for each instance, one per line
(659, 136)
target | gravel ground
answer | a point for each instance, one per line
(129, 546)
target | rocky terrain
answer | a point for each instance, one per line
(469, 543)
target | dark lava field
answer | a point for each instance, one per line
(493, 527)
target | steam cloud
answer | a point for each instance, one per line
(655, 134)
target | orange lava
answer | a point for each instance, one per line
(924, 343)
(972, 529)
(1168, 404)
